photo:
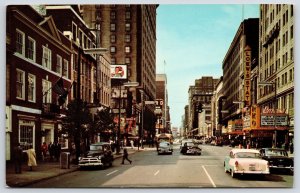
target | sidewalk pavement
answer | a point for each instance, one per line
(44, 170)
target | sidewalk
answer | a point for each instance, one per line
(44, 170)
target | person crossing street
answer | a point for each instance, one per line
(125, 156)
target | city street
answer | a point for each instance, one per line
(151, 170)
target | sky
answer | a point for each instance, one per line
(192, 41)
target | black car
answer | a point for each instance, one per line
(190, 148)
(278, 159)
(99, 155)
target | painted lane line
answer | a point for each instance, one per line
(111, 172)
(156, 173)
(211, 181)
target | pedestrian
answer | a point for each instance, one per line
(292, 148)
(44, 149)
(51, 150)
(132, 145)
(56, 150)
(31, 158)
(125, 155)
(18, 158)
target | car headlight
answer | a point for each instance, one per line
(79, 158)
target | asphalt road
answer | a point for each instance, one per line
(167, 171)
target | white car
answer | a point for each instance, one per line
(164, 148)
(245, 161)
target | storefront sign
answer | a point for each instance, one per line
(247, 75)
(254, 117)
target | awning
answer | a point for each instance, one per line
(236, 133)
(271, 128)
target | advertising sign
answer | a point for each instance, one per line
(274, 120)
(247, 75)
(118, 71)
(254, 117)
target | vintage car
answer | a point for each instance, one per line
(99, 155)
(190, 148)
(278, 159)
(245, 161)
(164, 148)
(194, 150)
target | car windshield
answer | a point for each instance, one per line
(247, 155)
(189, 144)
(275, 152)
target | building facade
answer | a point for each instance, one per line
(276, 67)
(200, 106)
(39, 57)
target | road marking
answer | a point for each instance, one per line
(156, 173)
(211, 181)
(111, 172)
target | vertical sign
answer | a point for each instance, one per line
(255, 117)
(247, 75)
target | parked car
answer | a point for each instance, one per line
(245, 161)
(164, 148)
(278, 159)
(186, 146)
(99, 155)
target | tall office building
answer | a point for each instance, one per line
(129, 33)
(276, 64)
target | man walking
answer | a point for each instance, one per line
(18, 158)
(125, 156)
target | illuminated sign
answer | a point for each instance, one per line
(247, 76)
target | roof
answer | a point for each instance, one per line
(234, 151)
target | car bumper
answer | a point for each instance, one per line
(164, 151)
(282, 167)
(251, 172)
(88, 164)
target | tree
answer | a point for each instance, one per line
(76, 123)
(104, 121)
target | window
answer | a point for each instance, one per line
(112, 15)
(127, 61)
(127, 15)
(20, 84)
(291, 75)
(47, 92)
(112, 49)
(127, 49)
(58, 64)
(127, 38)
(113, 60)
(31, 49)
(112, 27)
(31, 88)
(20, 42)
(74, 31)
(65, 68)
(291, 100)
(26, 129)
(292, 32)
(46, 58)
(127, 27)
(112, 38)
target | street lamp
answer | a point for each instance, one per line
(275, 106)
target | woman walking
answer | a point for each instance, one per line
(31, 158)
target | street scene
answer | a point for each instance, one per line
(150, 96)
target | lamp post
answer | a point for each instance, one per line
(275, 106)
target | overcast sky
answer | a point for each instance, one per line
(193, 39)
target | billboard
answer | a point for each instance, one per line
(118, 71)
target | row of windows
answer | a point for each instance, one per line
(113, 49)
(113, 38)
(62, 65)
(113, 27)
(113, 15)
